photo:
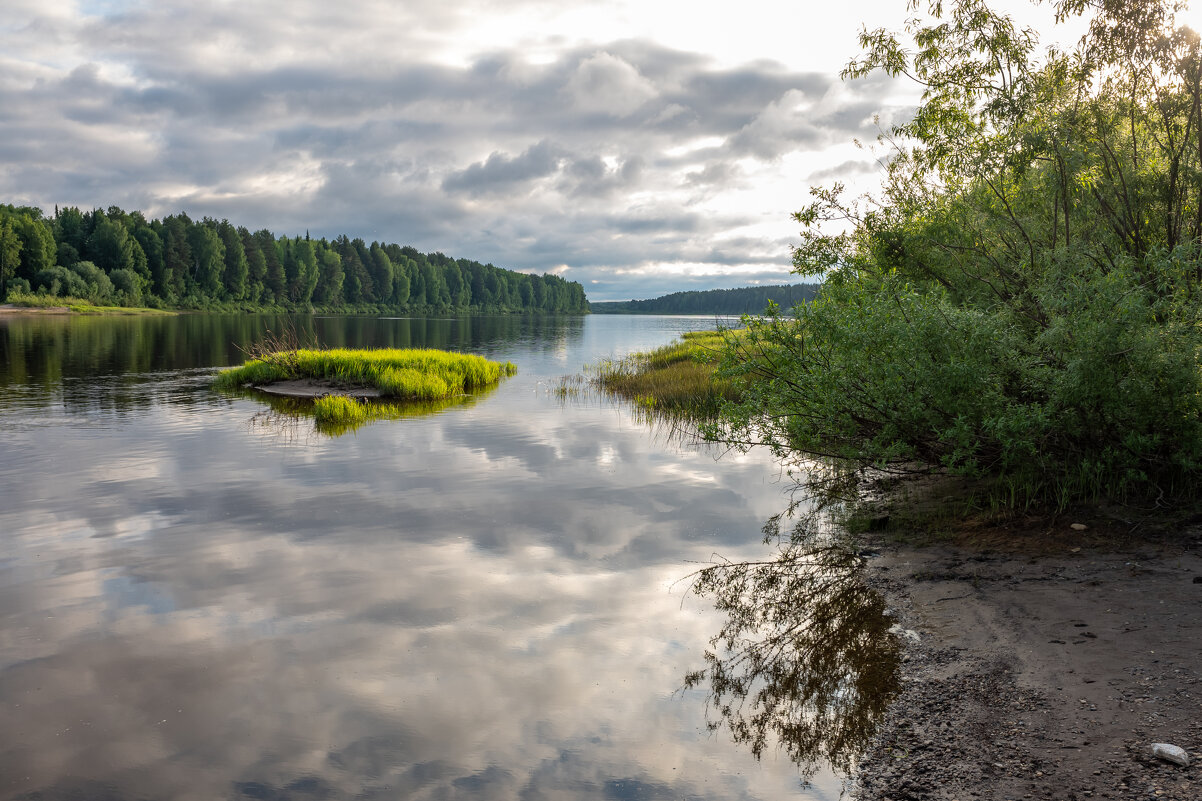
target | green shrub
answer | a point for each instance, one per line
(60, 282)
(1103, 398)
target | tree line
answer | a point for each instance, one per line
(118, 257)
(744, 300)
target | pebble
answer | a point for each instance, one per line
(1171, 753)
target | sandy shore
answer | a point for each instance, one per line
(1044, 676)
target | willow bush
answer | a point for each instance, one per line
(1021, 303)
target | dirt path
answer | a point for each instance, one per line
(1043, 677)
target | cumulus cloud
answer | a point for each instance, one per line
(606, 84)
(501, 173)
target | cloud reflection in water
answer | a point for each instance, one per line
(476, 603)
(459, 605)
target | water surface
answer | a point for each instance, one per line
(200, 601)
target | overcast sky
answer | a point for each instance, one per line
(639, 147)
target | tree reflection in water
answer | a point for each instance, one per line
(805, 657)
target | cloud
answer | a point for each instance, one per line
(500, 173)
(845, 170)
(606, 84)
(717, 172)
(518, 150)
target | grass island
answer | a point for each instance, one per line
(343, 383)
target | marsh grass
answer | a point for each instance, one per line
(677, 380)
(410, 374)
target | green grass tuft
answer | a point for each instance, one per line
(340, 410)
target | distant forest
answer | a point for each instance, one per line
(747, 300)
(119, 257)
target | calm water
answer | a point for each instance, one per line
(201, 598)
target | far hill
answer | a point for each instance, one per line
(746, 300)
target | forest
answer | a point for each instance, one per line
(745, 300)
(122, 258)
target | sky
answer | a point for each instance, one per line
(639, 147)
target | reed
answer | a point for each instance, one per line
(677, 379)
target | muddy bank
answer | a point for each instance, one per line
(1044, 676)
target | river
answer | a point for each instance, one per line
(204, 598)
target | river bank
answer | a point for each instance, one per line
(1046, 672)
(11, 309)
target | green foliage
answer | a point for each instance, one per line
(236, 265)
(60, 282)
(127, 287)
(109, 246)
(1022, 304)
(10, 255)
(99, 285)
(24, 230)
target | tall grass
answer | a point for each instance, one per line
(29, 300)
(411, 374)
(677, 379)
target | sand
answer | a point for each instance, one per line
(1043, 675)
